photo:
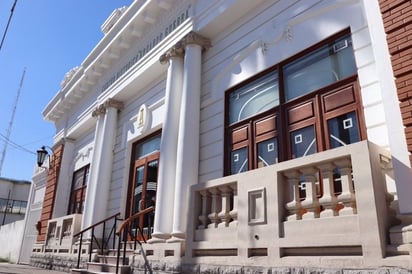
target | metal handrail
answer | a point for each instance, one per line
(124, 227)
(132, 218)
(93, 237)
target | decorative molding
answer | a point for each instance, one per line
(112, 20)
(68, 76)
(178, 49)
(197, 39)
(109, 103)
(175, 51)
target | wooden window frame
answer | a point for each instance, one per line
(316, 109)
(81, 190)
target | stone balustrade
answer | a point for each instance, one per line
(333, 203)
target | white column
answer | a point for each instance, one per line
(64, 184)
(168, 146)
(394, 124)
(97, 192)
(188, 141)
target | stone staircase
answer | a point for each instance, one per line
(106, 263)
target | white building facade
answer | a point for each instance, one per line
(264, 133)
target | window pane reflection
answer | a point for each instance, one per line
(239, 160)
(343, 130)
(267, 152)
(303, 142)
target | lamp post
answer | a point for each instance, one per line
(42, 153)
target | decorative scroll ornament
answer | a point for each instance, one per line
(68, 76)
(175, 51)
(112, 20)
(109, 103)
(197, 39)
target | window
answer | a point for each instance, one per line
(12, 206)
(78, 190)
(306, 104)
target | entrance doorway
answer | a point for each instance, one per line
(143, 185)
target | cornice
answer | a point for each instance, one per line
(132, 27)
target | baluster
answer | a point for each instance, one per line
(347, 198)
(294, 207)
(224, 213)
(216, 205)
(329, 200)
(311, 203)
(233, 212)
(203, 217)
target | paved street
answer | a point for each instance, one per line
(24, 269)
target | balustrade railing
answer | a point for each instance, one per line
(219, 206)
(320, 183)
(326, 200)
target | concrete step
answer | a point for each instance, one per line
(78, 271)
(111, 259)
(113, 252)
(103, 267)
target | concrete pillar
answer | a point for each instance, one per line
(188, 141)
(168, 146)
(396, 133)
(64, 183)
(97, 192)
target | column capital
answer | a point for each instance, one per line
(109, 103)
(176, 51)
(197, 39)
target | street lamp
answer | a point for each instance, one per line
(41, 155)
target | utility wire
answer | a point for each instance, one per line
(15, 145)
(8, 23)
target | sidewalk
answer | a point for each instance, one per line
(24, 269)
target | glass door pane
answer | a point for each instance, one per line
(138, 186)
(343, 130)
(239, 161)
(267, 152)
(303, 142)
(149, 199)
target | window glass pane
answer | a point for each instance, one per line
(138, 189)
(86, 177)
(343, 130)
(254, 98)
(267, 152)
(78, 179)
(319, 68)
(3, 205)
(303, 142)
(147, 147)
(239, 160)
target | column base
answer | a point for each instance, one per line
(177, 237)
(159, 237)
(176, 240)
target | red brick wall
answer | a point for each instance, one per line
(51, 187)
(397, 19)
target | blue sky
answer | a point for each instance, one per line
(48, 38)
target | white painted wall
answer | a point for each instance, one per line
(271, 33)
(10, 240)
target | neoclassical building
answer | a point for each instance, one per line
(235, 137)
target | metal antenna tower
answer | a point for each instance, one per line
(6, 142)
